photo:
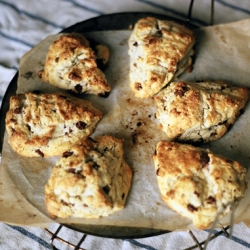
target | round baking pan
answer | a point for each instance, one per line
(118, 21)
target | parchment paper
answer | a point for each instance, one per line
(222, 53)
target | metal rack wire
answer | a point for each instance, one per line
(202, 245)
(54, 236)
(197, 244)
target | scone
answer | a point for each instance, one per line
(91, 180)
(159, 51)
(199, 111)
(197, 183)
(71, 64)
(48, 124)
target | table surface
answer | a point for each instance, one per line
(24, 23)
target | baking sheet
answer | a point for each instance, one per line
(222, 52)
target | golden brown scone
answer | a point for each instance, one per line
(197, 183)
(159, 51)
(91, 180)
(71, 64)
(199, 111)
(48, 124)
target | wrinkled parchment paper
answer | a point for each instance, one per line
(222, 53)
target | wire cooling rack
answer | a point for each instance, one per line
(200, 244)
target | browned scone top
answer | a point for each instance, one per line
(71, 64)
(196, 183)
(91, 180)
(199, 111)
(159, 51)
(48, 124)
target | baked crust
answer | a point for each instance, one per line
(91, 180)
(71, 64)
(199, 111)
(159, 51)
(197, 183)
(48, 124)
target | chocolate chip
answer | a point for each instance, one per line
(192, 208)
(211, 200)
(181, 92)
(152, 40)
(38, 151)
(28, 126)
(135, 44)
(123, 195)
(81, 125)
(56, 59)
(17, 110)
(95, 166)
(204, 159)
(153, 79)
(66, 154)
(74, 171)
(67, 203)
(197, 194)
(138, 86)
(74, 76)
(157, 171)
(78, 88)
(106, 189)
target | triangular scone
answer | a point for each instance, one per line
(91, 180)
(48, 124)
(71, 64)
(196, 183)
(199, 111)
(159, 51)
